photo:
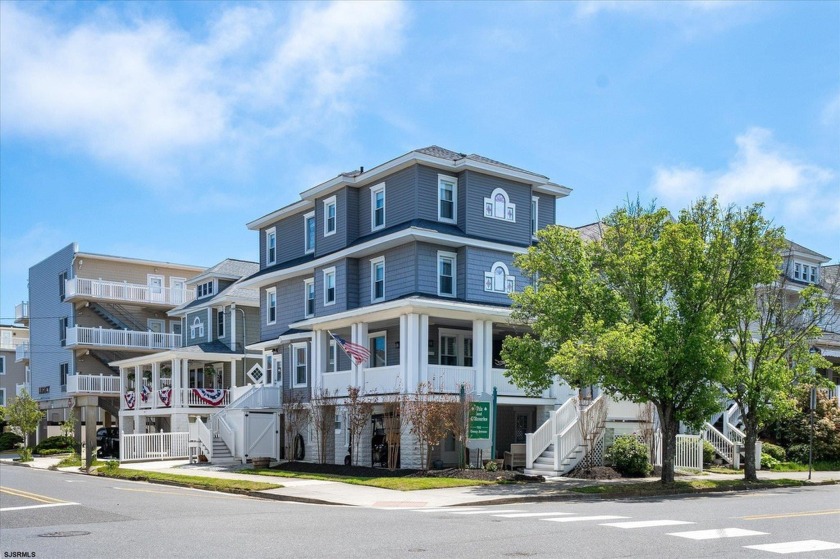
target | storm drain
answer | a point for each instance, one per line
(64, 534)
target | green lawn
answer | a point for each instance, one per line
(653, 488)
(819, 466)
(196, 482)
(398, 483)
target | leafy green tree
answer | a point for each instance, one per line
(770, 333)
(640, 310)
(24, 415)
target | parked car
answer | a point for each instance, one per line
(108, 441)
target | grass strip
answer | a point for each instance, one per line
(819, 466)
(654, 488)
(396, 483)
(195, 482)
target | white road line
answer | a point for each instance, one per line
(795, 547)
(486, 511)
(646, 523)
(716, 534)
(37, 506)
(583, 518)
(532, 514)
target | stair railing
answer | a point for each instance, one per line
(205, 437)
(723, 445)
(544, 436)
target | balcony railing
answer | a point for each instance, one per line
(22, 352)
(93, 384)
(450, 379)
(126, 292)
(336, 383)
(22, 312)
(13, 343)
(124, 339)
(382, 380)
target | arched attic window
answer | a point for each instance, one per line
(499, 206)
(499, 279)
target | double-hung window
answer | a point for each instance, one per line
(62, 285)
(271, 305)
(377, 279)
(309, 289)
(63, 371)
(329, 286)
(309, 232)
(220, 323)
(377, 344)
(332, 357)
(446, 268)
(271, 246)
(447, 198)
(535, 206)
(299, 364)
(329, 216)
(2, 364)
(377, 207)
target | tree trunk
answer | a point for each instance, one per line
(670, 426)
(751, 434)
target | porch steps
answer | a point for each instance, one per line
(221, 453)
(544, 464)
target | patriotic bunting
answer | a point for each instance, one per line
(214, 397)
(129, 400)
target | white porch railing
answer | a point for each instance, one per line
(337, 382)
(126, 292)
(723, 445)
(260, 396)
(558, 424)
(22, 311)
(196, 397)
(450, 379)
(125, 339)
(93, 384)
(205, 437)
(381, 380)
(22, 352)
(221, 428)
(154, 446)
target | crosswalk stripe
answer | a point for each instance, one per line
(582, 518)
(645, 523)
(446, 509)
(795, 547)
(716, 534)
(62, 504)
(532, 514)
(486, 511)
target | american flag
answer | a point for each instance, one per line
(358, 353)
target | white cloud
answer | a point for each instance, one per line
(148, 93)
(760, 171)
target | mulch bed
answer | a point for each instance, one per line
(364, 471)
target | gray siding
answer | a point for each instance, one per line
(353, 285)
(479, 187)
(290, 307)
(400, 273)
(353, 203)
(225, 339)
(193, 335)
(400, 200)
(341, 277)
(290, 238)
(427, 269)
(547, 209)
(288, 373)
(479, 261)
(45, 306)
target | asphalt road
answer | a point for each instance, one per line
(59, 515)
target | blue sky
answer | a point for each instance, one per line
(157, 130)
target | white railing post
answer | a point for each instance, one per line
(529, 450)
(758, 455)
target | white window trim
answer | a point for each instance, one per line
(373, 263)
(327, 203)
(490, 277)
(295, 363)
(535, 216)
(306, 217)
(371, 336)
(221, 327)
(306, 283)
(270, 233)
(508, 210)
(332, 355)
(268, 292)
(460, 336)
(454, 181)
(328, 271)
(374, 190)
(3, 399)
(3, 366)
(196, 329)
(454, 257)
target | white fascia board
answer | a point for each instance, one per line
(524, 401)
(278, 214)
(393, 309)
(378, 245)
(126, 260)
(279, 340)
(175, 354)
(554, 189)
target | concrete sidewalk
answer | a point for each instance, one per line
(336, 493)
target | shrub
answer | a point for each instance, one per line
(798, 453)
(491, 466)
(111, 465)
(768, 462)
(25, 454)
(629, 457)
(59, 442)
(774, 450)
(10, 440)
(708, 452)
(72, 460)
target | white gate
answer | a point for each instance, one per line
(262, 435)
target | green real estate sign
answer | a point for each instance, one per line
(479, 420)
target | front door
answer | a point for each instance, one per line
(158, 332)
(178, 290)
(156, 293)
(521, 427)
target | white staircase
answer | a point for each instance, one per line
(558, 446)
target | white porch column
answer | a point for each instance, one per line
(412, 368)
(423, 349)
(123, 388)
(233, 330)
(155, 383)
(318, 344)
(138, 382)
(482, 374)
(488, 353)
(405, 343)
(361, 339)
(176, 383)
